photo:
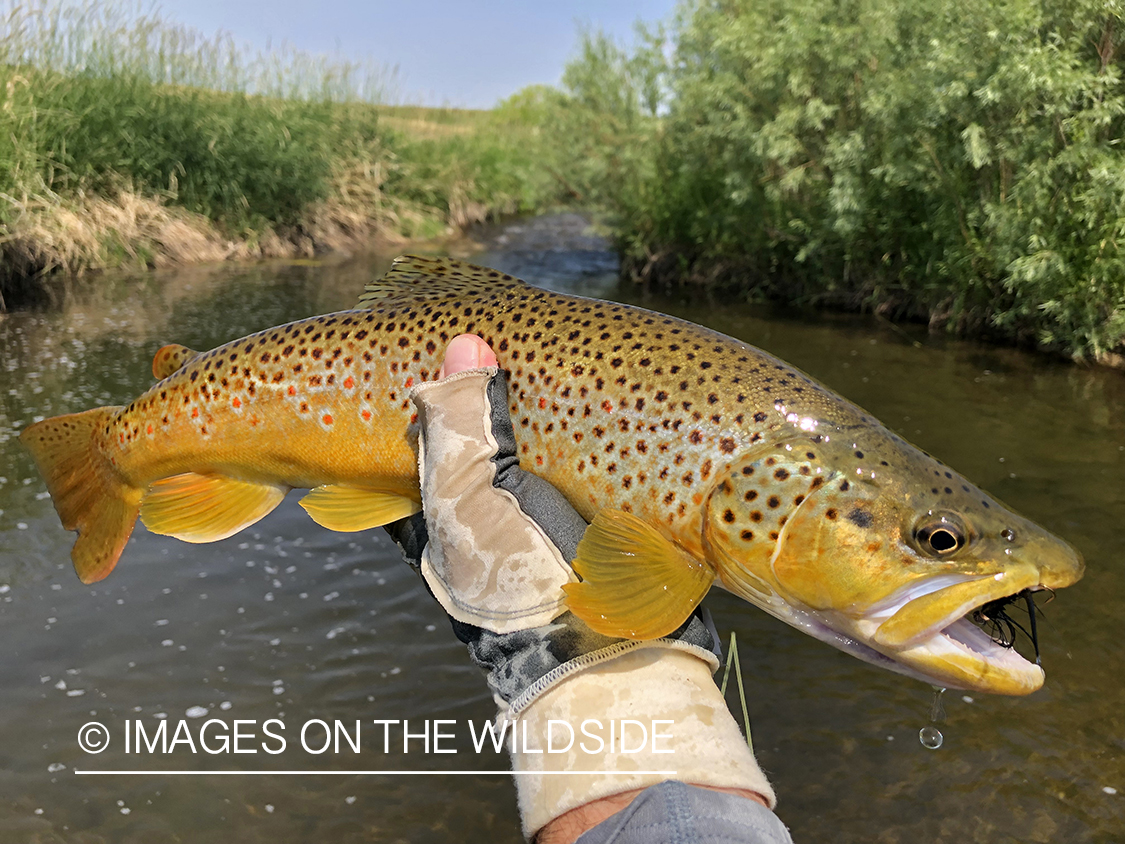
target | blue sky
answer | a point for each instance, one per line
(466, 54)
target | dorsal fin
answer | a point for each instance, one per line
(417, 278)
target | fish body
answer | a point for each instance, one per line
(696, 457)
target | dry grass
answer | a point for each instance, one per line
(88, 231)
(84, 232)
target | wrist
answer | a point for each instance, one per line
(675, 726)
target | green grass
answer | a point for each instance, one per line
(260, 147)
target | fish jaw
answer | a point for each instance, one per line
(927, 631)
(927, 626)
(951, 653)
(923, 629)
(957, 656)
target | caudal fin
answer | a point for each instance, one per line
(88, 494)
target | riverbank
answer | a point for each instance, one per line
(394, 174)
(129, 140)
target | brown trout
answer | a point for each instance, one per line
(697, 458)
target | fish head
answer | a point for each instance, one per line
(868, 543)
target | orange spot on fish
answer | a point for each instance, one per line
(327, 419)
(237, 402)
(410, 381)
(367, 414)
(607, 406)
(538, 460)
(194, 412)
(348, 383)
(697, 499)
(292, 391)
(542, 404)
(414, 419)
(150, 429)
(123, 439)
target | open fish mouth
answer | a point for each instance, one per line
(970, 644)
(939, 633)
(966, 640)
(938, 636)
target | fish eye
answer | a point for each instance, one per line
(941, 537)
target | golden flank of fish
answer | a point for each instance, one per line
(698, 458)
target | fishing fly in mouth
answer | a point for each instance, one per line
(994, 619)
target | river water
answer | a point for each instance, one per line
(288, 621)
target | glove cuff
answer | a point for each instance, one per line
(625, 722)
(592, 659)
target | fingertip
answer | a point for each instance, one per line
(466, 351)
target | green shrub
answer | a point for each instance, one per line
(949, 161)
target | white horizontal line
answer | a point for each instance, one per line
(367, 773)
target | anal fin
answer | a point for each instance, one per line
(205, 508)
(636, 583)
(350, 508)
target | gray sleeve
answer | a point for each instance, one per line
(673, 812)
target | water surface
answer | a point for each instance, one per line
(289, 621)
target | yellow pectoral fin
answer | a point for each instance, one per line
(350, 508)
(635, 583)
(206, 508)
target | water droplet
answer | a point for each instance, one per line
(930, 737)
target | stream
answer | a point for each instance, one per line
(288, 621)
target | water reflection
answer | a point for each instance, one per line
(289, 621)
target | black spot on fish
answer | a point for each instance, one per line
(860, 518)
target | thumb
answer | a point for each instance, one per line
(466, 351)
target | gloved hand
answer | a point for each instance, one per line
(493, 545)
